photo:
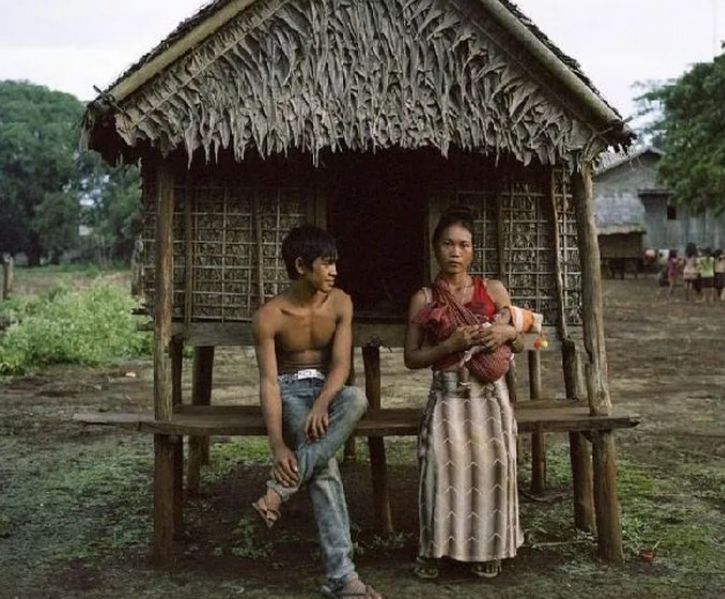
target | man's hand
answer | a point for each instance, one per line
(285, 466)
(317, 422)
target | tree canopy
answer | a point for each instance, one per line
(48, 187)
(690, 132)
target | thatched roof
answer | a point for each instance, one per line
(271, 76)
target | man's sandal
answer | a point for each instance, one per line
(269, 515)
(425, 568)
(489, 569)
(360, 591)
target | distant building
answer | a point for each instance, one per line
(632, 204)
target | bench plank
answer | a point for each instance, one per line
(531, 416)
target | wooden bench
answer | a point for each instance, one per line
(595, 499)
(536, 416)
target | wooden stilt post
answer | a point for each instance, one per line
(381, 493)
(579, 454)
(606, 502)
(350, 454)
(167, 452)
(201, 385)
(538, 441)
(176, 351)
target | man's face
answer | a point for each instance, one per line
(322, 275)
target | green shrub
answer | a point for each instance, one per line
(92, 326)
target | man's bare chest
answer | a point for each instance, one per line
(309, 329)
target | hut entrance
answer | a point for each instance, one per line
(375, 212)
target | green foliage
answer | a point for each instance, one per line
(38, 139)
(111, 209)
(48, 187)
(91, 326)
(690, 130)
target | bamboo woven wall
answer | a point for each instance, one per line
(514, 241)
(219, 231)
(228, 232)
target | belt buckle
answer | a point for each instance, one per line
(308, 373)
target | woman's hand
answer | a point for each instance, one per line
(496, 335)
(464, 337)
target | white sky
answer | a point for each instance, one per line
(71, 45)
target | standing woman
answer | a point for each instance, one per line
(468, 503)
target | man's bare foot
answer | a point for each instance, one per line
(267, 506)
(353, 589)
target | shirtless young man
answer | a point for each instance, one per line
(303, 340)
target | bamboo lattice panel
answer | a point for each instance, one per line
(228, 227)
(483, 205)
(527, 261)
(568, 248)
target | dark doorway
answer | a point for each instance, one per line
(376, 211)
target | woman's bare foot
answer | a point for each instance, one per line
(267, 506)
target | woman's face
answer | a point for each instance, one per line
(454, 250)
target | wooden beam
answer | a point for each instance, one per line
(167, 450)
(201, 385)
(350, 454)
(606, 500)
(381, 493)
(538, 441)
(531, 416)
(592, 308)
(164, 284)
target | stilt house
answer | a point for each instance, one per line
(367, 117)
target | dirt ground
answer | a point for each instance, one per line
(75, 501)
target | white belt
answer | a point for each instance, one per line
(305, 373)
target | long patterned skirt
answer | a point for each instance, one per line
(467, 497)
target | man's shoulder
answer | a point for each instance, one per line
(340, 297)
(269, 312)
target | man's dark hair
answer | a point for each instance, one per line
(455, 215)
(307, 242)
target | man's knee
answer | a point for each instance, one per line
(354, 401)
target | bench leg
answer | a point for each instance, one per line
(381, 492)
(581, 474)
(350, 454)
(200, 396)
(168, 513)
(538, 463)
(373, 388)
(538, 441)
(606, 499)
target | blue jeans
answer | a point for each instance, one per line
(318, 467)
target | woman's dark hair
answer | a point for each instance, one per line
(307, 242)
(673, 253)
(454, 215)
(691, 250)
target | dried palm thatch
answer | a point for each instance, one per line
(360, 75)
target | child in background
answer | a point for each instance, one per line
(674, 266)
(719, 256)
(706, 272)
(689, 273)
